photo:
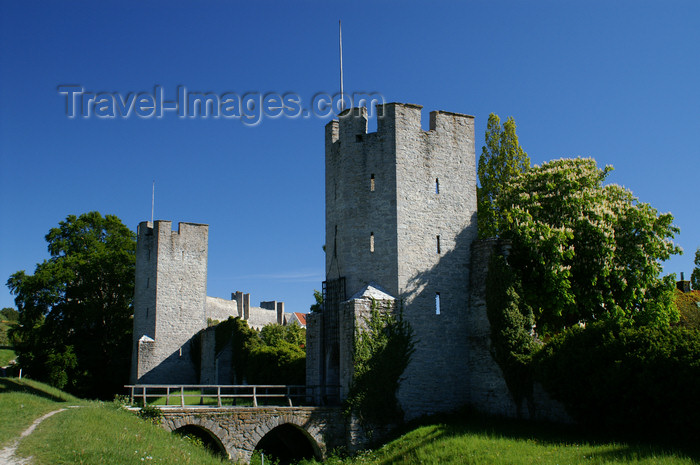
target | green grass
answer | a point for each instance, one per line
(488, 441)
(6, 355)
(94, 433)
(98, 434)
(23, 401)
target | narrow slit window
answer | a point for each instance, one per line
(437, 240)
(437, 303)
(371, 183)
(437, 186)
(371, 242)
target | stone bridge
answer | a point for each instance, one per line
(293, 432)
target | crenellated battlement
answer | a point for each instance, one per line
(351, 125)
(163, 227)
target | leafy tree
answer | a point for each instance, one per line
(280, 363)
(9, 314)
(274, 334)
(244, 340)
(274, 355)
(695, 276)
(501, 159)
(318, 305)
(585, 251)
(75, 311)
(8, 318)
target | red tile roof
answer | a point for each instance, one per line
(301, 317)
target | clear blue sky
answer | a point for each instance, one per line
(617, 81)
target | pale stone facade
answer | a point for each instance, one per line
(401, 212)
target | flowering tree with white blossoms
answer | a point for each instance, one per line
(585, 251)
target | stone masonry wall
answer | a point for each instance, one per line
(144, 298)
(220, 309)
(436, 210)
(356, 162)
(208, 373)
(389, 195)
(488, 390)
(313, 351)
(170, 304)
(241, 429)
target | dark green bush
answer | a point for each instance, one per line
(152, 414)
(642, 381)
(283, 363)
(274, 355)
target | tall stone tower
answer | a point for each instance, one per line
(401, 217)
(169, 301)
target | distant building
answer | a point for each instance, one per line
(297, 318)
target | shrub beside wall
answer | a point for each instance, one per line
(643, 381)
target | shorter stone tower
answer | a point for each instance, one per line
(170, 300)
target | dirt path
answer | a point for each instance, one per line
(7, 455)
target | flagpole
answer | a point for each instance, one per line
(153, 199)
(342, 96)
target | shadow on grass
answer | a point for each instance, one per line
(17, 385)
(620, 447)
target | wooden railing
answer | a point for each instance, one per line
(183, 395)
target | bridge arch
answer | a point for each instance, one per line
(208, 439)
(213, 430)
(289, 442)
(242, 430)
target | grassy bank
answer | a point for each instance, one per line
(482, 440)
(97, 434)
(23, 401)
(93, 433)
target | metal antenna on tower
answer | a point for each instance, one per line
(153, 199)
(342, 96)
